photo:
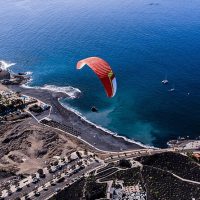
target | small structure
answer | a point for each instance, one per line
(74, 156)
(44, 106)
(35, 108)
(133, 192)
(132, 189)
(193, 145)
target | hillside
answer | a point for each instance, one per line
(27, 146)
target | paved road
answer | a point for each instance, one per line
(49, 176)
(180, 178)
(186, 180)
(134, 154)
(45, 194)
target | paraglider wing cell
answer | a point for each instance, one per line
(102, 69)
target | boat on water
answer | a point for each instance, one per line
(165, 81)
(171, 90)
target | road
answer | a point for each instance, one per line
(62, 185)
(49, 177)
(132, 154)
(180, 178)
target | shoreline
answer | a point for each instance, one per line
(97, 136)
(105, 129)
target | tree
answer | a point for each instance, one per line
(125, 163)
(190, 153)
(40, 171)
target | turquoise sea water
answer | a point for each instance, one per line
(143, 40)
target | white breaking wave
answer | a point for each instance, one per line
(28, 73)
(4, 65)
(68, 90)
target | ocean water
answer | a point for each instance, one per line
(143, 40)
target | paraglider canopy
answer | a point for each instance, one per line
(102, 69)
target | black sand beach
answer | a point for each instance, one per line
(89, 132)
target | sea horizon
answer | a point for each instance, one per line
(144, 45)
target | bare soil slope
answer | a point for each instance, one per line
(27, 146)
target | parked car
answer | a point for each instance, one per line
(35, 180)
(53, 183)
(57, 190)
(37, 194)
(18, 189)
(59, 167)
(9, 193)
(26, 197)
(60, 180)
(45, 188)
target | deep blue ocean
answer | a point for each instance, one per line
(143, 41)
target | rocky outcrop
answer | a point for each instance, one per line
(4, 74)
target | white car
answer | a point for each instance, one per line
(57, 190)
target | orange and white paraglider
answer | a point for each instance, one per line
(102, 69)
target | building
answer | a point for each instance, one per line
(134, 192)
(132, 189)
(193, 145)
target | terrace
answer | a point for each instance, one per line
(171, 162)
(162, 185)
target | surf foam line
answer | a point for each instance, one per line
(4, 65)
(70, 91)
(104, 129)
(29, 73)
